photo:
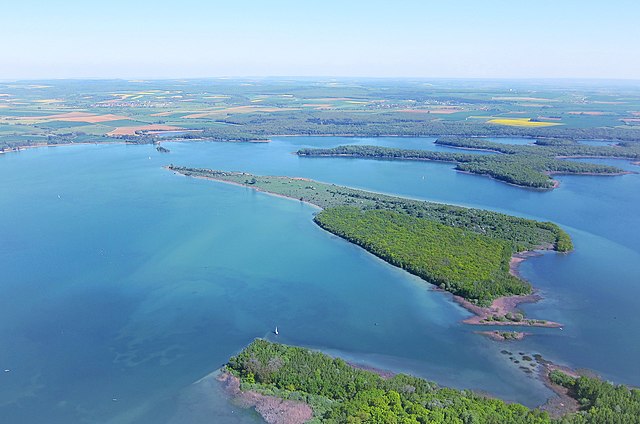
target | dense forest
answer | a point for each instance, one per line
(600, 402)
(549, 147)
(527, 166)
(463, 250)
(340, 393)
(462, 262)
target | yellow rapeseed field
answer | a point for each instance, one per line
(521, 122)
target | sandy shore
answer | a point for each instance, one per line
(562, 403)
(273, 409)
(505, 305)
(518, 258)
(501, 307)
(514, 263)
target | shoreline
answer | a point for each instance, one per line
(116, 141)
(501, 307)
(259, 190)
(518, 258)
(562, 403)
(277, 410)
(272, 409)
(506, 305)
(39, 145)
(200, 140)
(385, 374)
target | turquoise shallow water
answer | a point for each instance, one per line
(133, 284)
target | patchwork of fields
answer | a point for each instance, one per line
(240, 110)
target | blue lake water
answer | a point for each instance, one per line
(124, 285)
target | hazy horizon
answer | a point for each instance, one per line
(318, 78)
(581, 40)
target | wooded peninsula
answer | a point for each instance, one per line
(464, 251)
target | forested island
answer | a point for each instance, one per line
(522, 165)
(464, 251)
(340, 393)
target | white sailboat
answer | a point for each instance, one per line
(276, 331)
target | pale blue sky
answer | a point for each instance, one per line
(444, 38)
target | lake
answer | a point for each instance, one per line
(125, 285)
